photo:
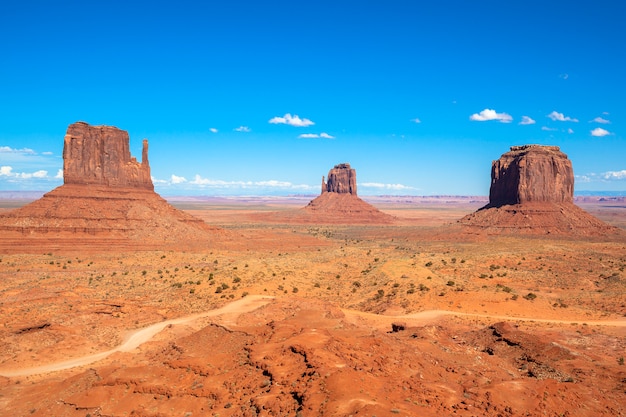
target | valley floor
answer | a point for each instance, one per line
(522, 325)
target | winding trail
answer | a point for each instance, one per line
(434, 314)
(136, 338)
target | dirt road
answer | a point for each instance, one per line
(231, 311)
(137, 337)
(384, 321)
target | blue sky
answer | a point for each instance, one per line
(262, 98)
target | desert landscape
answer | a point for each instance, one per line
(116, 302)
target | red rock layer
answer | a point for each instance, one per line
(100, 155)
(531, 173)
(532, 192)
(99, 217)
(341, 179)
(107, 201)
(537, 219)
(337, 208)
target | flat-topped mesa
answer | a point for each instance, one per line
(341, 179)
(531, 192)
(100, 155)
(529, 174)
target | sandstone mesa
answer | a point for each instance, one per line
(107, 200)
(339, 203)
(532, 191)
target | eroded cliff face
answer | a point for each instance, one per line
(339, 204)
(531, 173)
(341, 179)
(100, 155)
(532, 192)
(107, 201)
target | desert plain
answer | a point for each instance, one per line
(277, 316)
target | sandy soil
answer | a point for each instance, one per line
(486, 325)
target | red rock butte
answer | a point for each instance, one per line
(107, 201)
(532, 191)
(100, 155)
(530, 174)
(338, 202)
(341, 180)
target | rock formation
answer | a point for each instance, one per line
(341, 179)
(531, 173)
(338, 202)
(532, 191)
(107, 199)
(100, 155)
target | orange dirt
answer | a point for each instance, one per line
(531, 325)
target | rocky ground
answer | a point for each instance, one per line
(485, 325)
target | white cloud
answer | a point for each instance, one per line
(26, 158)
(560, 117)
(274, 183)
(7, 149)
(582, 178)
(7, 171)
(489, 114)
(59, 175)
(599, 132)
(213, 130)
(527, 121)
(175, 179)
(615, 175)
(245, 129)
(603, 177)
(322, 135)
(416, 120)
(290, 120)
(564, 76)
(29, 175)
(385, 186)
(570, 130)
(601, 120)
(548, 129)
(156, 181)
(212, 183)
